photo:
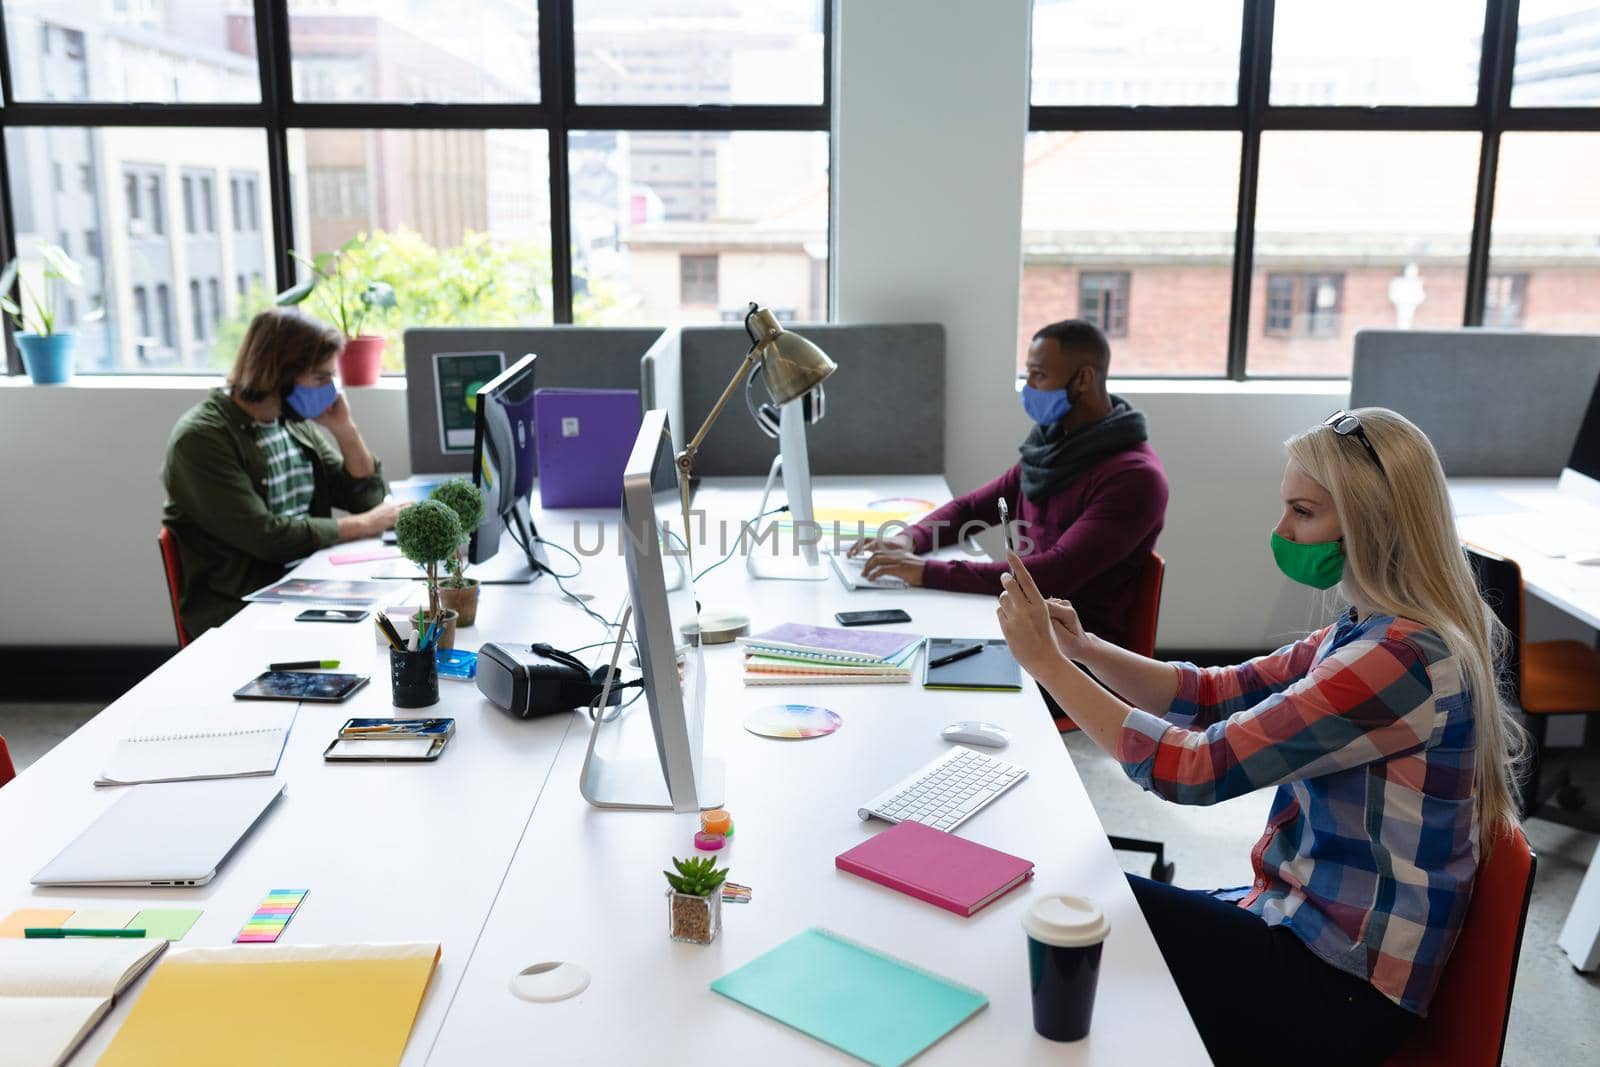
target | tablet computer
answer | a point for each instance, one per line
(318, 687)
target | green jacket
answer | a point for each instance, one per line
(230, 543)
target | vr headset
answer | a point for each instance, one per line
(540, 680)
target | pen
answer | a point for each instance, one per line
(305, 665)
(951, 657)
(56, 931)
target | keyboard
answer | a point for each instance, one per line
(947, 792)
(848, 568)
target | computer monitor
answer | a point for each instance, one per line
(1581, 477)
(680, 778)
(796, 559)
(504, 466)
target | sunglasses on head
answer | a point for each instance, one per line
(1345, 424)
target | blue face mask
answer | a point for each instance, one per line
(309, 401)
(1045, 407)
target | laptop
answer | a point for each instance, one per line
(170, 833)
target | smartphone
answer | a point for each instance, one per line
(331, 615)
(871, 618)
(1005, 524)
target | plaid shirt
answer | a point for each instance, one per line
(1371, 847)
(291, 481)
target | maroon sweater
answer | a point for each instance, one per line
(1090, 538)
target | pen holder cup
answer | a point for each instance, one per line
(414, 677)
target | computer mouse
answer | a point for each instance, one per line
(976, 733)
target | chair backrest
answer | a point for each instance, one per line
(8, 770)
(1500, 584)
(1147, 607)
(1466, 1023)
(172, 565)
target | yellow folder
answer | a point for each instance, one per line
(247, 1005)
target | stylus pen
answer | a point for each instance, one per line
(951, 657)
(306, 665)
(56, 931)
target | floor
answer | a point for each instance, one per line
(1555, 1018)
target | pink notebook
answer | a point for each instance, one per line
(956, 874)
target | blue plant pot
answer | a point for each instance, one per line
(48, 357)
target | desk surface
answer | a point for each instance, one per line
(493, 852)
(1495, 513)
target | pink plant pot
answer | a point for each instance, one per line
(361, 361)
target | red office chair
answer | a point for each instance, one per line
(8, 770)
(1466, 1023)
(172, 565)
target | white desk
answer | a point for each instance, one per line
(493, 852)
(1493, 513)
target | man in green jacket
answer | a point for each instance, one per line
(251, 486)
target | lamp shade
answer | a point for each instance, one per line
(791, 366)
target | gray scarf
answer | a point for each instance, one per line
(1052, 457)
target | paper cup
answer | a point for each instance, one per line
(1064, 938)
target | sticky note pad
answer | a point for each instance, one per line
(101, 919)
(13, 925)
(272, 915)
(170, 923)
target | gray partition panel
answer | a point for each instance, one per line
(885, 403)
(585, 357)
(1494, 403)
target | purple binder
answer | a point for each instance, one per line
(584, 438)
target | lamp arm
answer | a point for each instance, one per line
(685, 459)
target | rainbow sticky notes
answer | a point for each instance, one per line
(272, 915)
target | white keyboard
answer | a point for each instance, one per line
(947, 792)
(848, 568)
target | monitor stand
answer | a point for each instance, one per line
(793, 462)
(509, 565)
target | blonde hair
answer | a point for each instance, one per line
(1403, 558)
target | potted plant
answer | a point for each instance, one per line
(346, 300)
(694, 903)
(46, 351)
(428, 533)
(459, 593)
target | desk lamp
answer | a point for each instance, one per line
(790, 366)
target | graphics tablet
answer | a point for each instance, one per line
(317, 687)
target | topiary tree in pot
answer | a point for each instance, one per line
(458, 592)
(429, 534)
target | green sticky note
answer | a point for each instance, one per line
(872, 1006)
(170, 923)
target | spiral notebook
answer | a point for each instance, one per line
(191, 744)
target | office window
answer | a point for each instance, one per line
(1094, 202)
(1558, 43)
(1374, 52)
(1109, 52)
(1375, 229)
(462, 230)
(1103, 300)
(698, 280)
(1547, 229)
(644, 201)
(121, 241)
(168, 53)
(197, 309)
(1504, 300)
(475, 51)
(733, 52)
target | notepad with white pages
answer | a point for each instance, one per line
(54, 992)
(189, 744)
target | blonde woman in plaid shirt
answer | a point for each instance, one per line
(1384, 734)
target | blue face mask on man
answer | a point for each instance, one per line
(1046, 407)
(309, 401)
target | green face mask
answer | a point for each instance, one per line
(1318, 565)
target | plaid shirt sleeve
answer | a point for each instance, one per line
(1366, 701)
(1211, 694)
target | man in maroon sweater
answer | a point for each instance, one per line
(1087, 500)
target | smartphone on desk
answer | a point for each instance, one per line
(331, 615)
(871, 618)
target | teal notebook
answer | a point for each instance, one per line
(876, 1008)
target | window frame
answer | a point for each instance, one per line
(556, 113)
(1112, 291)
(1490, 116)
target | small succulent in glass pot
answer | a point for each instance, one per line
(694, 903)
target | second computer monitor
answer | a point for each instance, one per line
(503, 462)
